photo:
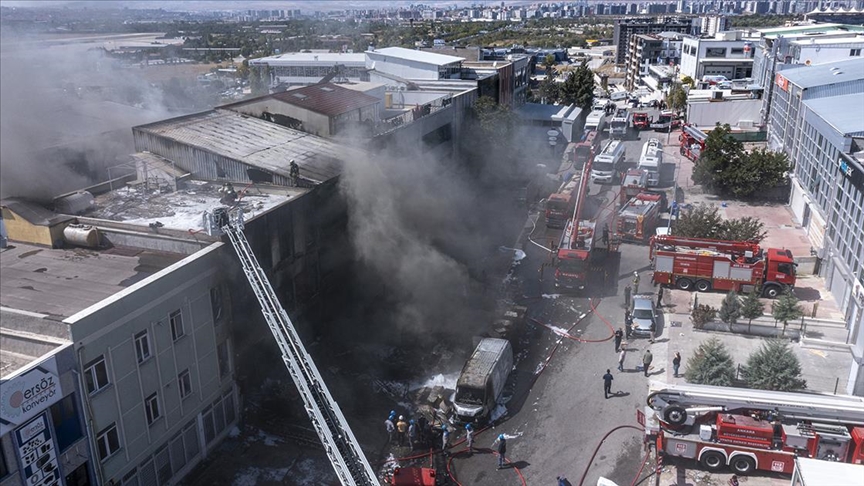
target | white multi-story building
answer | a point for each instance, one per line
(301, 68)
(816, 119)
(727, 54)
(776, 50)
(712, 24)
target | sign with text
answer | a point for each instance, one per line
(25, 395)
(782, 82)
(37, 453)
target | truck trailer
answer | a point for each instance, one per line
(706, 264)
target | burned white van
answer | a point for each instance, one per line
(482, 379)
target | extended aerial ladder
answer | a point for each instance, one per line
(341, 446)
(735, 248)
(676, 402)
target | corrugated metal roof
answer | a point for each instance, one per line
(419, 56)
(328, 99)
(255, 142)
(828, 73)
(841, 112)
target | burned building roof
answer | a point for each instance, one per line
(327, 99)
(250, 141)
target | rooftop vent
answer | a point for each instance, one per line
(299, 96)
(836, 73)
(325, 88)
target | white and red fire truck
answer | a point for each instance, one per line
(692, 142)
(748, 430)
(638, 219)
(706, 264)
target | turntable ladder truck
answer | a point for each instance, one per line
(341, 446)
(749, 430)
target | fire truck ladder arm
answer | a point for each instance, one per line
(676, 401)
(341, 446)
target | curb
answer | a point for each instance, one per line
(813, 343)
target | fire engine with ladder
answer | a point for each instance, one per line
(706, 264)
(351, 466)
(560, 205)
(748, 430)
(583, 239)
(692, 142)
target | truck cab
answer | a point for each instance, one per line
(779, 272)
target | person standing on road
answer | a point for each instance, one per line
(445, 438)
(653, 331)
(646, 361)
(412, 434)
(469, 438)
(621, 355)
(502, 450)
(660, 297)
(391, 429)
(402, 428)
(619, 334)
(676, 364)
(607, 384)
(635, 283)
(628, 324)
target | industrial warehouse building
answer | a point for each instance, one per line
(816, 119)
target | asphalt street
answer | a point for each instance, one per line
(557, 424)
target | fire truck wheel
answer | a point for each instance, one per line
(743, 465)
(712, 461)
(675, 414)
(771, 291)
(703, 286)
(684, 284)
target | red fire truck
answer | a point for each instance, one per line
(586, 148)
(692, 142)
(706, 264)
(749, 430)
(559, 206)
(582, 240)
(641, 120)
(638, 219)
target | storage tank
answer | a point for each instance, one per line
(81, 235)
(74, 203)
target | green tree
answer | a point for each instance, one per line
(730, 309)
(752, 307)
(711, 364)
(759, 169)
(549, 89)
(688, 81)
(786, 308)
(742, 229)
(702, 314)
(579, 87)
(700, 221)
(677, 98)
(774, 367)
(721, 152)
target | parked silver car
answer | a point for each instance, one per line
(644, 314)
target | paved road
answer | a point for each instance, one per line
(562, 419)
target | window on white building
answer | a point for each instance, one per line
(184, 379)
(142, 346)
(108, 442)
(176, 319)
(855, 52)
(96, 375)
(151, 408)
